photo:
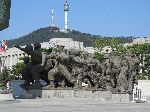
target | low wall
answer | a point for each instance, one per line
(5, 95)
(145, 87)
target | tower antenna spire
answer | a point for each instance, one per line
(66, 10)
(53, 27)
(52, 15)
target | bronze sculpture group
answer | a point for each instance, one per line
(73, 68)
(76, 69)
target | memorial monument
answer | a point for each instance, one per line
(74, 70)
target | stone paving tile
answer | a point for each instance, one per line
(47, 105)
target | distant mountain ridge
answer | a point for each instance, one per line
(45, 34)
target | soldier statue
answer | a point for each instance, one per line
(36, 62)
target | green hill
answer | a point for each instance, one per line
(44, 35)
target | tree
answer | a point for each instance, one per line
(17, 70)
(113, 43)
(99, 44)
(9, 75)
(4, 77)
(143, 52)
(99, 56)
(119, 50)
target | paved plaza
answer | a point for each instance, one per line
(61, 105)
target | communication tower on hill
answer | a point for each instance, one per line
(66, 10)
(53, 28)
(52, 18)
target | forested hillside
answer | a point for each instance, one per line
(45, 34)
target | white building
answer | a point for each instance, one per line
(67, 42)
(10, 57)
(45, 45)
(141, 40)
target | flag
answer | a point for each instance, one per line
(3, 45)
(2, 48)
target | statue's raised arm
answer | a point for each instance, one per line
(28, 49)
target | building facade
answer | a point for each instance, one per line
(10, 57)
(141, 40)
(69, 43)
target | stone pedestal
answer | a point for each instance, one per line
(71, 94)
(17, 91)
(81, 94)
(68, 93)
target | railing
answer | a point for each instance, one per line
(137, 94)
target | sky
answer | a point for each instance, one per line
(98, 17)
